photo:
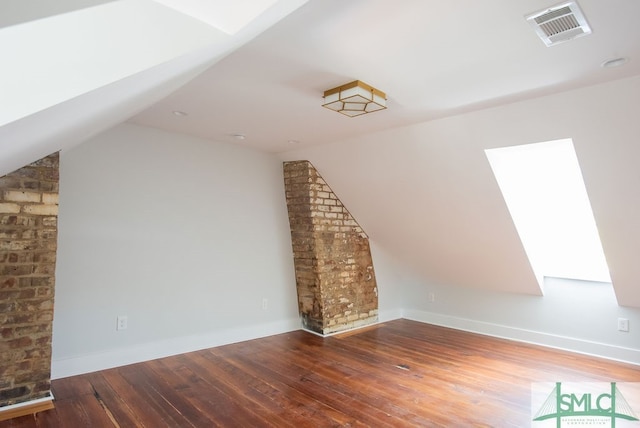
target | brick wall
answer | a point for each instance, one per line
(335, 278)
(28, 243)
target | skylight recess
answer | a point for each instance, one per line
(544, 191)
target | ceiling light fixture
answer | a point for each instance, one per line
(354, 99)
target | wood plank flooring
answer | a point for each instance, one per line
(398, 374)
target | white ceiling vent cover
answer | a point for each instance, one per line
(559, 23)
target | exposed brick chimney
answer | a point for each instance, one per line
(335, 279)
(28, 243)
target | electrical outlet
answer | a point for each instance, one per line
(265, 304)
(623, 324)
(432, 297)
(121, 322)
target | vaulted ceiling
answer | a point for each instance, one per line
(453, 71)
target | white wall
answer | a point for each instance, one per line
(426, 194)
(183, 236)
(575, 315)
(389, 280)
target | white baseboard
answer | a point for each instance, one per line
(603, 350)
(387, 315)
(81, 364)
(26, 408)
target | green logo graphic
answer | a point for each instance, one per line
(585, 408)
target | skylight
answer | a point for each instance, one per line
(544, 191)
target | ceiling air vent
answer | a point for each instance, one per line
(559, 23)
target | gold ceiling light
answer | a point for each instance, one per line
(355, 99)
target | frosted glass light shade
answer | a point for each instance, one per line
(354, 99)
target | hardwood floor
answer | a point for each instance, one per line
(401, 373)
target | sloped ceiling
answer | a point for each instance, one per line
(75, 68)
(426, 192)
(433, 59)
(461, 76)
